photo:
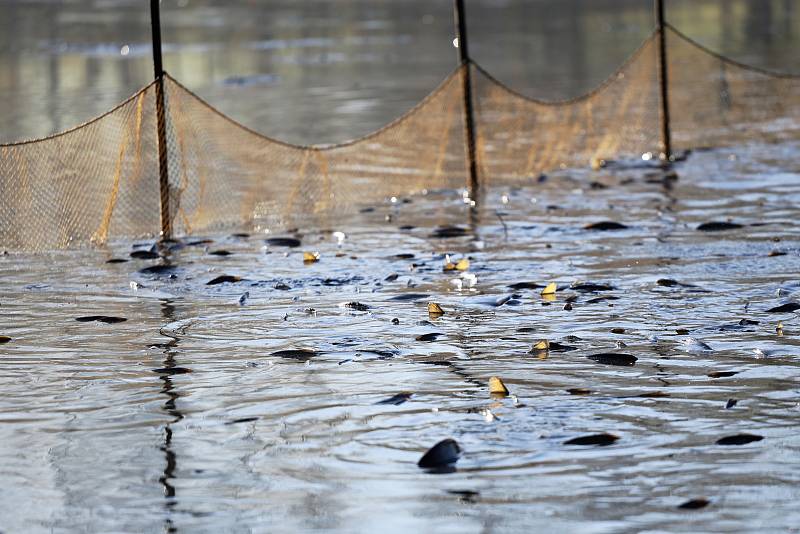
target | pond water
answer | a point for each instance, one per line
(184, 417)
(188, 417)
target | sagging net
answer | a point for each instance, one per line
(100, 180)
(83, 185)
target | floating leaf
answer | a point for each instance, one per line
(612, 358)
(617, 330)
(283, 242)
(526, 285)
(402, 256)
(541, 345)
(433, 336)
(391, 278)
(550, 289)
(302, 355)
(774, 253)
(165, 268)
(602, 440)
(497, 387)
(224, 279)
(169, 371)
(398, 399)
(117, 260)
(579, 391)
(785, 308)
(722, 374)
(466, 495)
(434, 309)
(358, 306)
(449, 231)
(601, 299)
(242, 420)
(409, 296)
(221, 253)
(101, 318)
(652, 395)
(442, 455)
(591, 287)
(310, 257)
(4, 339)
(730, 404)
(739, 439)
(605, 226)
(463, 264)
(718, 226)
(144, 255)
(682, 331)
(694, 504)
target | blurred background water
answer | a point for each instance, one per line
(328, 70)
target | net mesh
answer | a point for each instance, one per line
(100, 180)
(84, 185)
(715, 101)
(222, 174)
(520, 137)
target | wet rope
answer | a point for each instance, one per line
(323, 147)
(730, 61)
(586, 96)
(83, 124)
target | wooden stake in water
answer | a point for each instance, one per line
(466, 82)
(166, 220)
(663, 80)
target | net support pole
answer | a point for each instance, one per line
(663, 82)
(163, 168)
(466, 82)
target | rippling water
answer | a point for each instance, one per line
(182, 418)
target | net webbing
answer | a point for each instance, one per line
(715, 101)
(222, 174)
(519, 137)
(100, 180)
(83, 185)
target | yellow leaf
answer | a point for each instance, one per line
(550, 289)
(310, 257)
(449, 266)
(549, 297)
(496, 386)
(542, 345)
(463, 264)
(435, 309)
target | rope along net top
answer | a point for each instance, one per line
(100, 181)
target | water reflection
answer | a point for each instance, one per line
(319, 73)
(170, 406)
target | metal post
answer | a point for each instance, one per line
(663, 80)
(166, 220)
(466, 81)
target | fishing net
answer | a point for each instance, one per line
(83, 185)
(223, 174)
(715, 101)
(100, 180)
